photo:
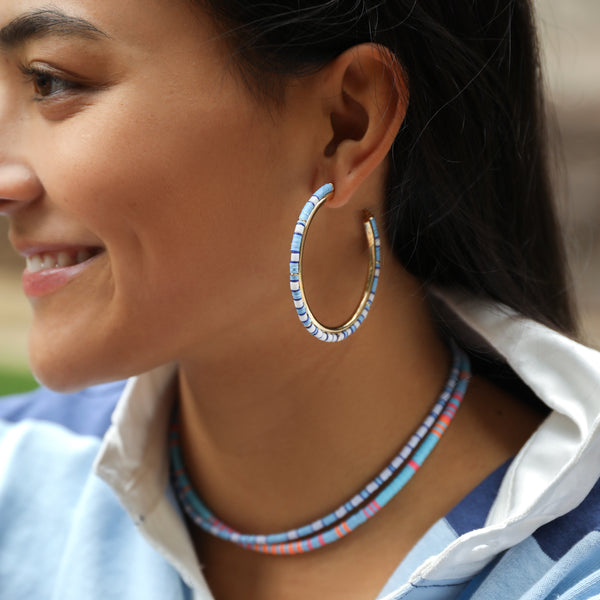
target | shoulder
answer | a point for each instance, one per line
(86, 412)
(45, 471)
(64, 533)
(48, 443)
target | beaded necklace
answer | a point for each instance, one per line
(361, 507)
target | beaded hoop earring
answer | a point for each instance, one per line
(307, 318)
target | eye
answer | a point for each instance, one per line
(46, 83)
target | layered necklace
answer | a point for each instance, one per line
(358, 509)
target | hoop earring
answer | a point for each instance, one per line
(312, 325)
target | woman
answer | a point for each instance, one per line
(156, 158)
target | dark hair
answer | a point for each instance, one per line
(469, 201)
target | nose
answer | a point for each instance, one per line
(18, 186)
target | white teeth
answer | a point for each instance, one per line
(64, 259)
(39, 262)
(34, 263)
(49, 261)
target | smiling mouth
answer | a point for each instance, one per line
(56, 260)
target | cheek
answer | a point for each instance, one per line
(182, 213)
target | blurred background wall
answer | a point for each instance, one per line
(570, 35)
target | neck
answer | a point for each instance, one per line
(272, 441)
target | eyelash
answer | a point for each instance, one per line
(36, 75)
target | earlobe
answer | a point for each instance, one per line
(367, 105)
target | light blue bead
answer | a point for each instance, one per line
(323, 191)
(307, 210)
(330, 536)
(305, 531)
(329, 519)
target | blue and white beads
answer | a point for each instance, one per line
(312, 325)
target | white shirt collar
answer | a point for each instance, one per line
(134, 461)
(563, 454)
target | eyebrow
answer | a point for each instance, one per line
(46, 22)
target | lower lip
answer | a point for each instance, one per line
(48, 281)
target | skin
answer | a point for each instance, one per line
(191, 187)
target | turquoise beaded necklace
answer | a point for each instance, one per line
(360, 508)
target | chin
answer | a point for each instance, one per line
(69, 352)
(68, 371)
(65, 379)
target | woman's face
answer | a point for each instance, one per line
(124, 136)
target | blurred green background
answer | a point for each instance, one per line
(14, 322)
(16, 380)
(571, 46)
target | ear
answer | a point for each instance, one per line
(366, 98)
